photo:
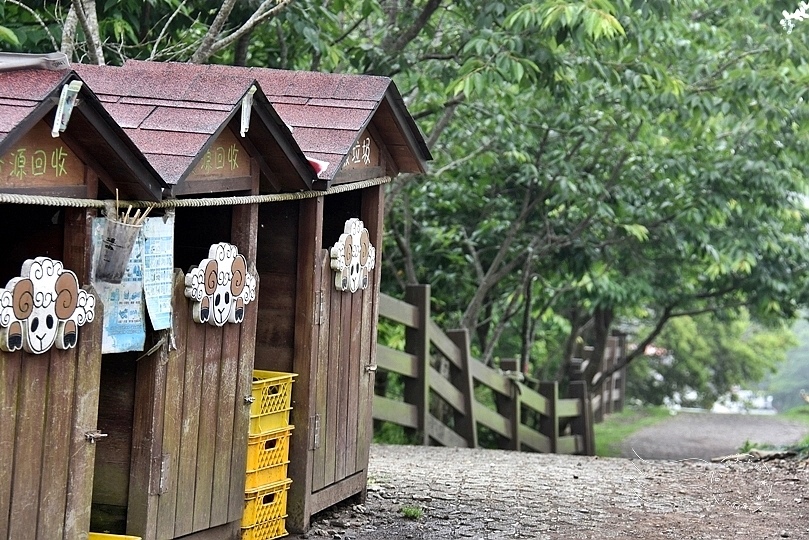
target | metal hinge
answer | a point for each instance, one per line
(165, 465)
(159, 482)
(314, 432)
(93, 436)
(320, 301)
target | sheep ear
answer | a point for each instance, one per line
(211, 277)
(67, 295)
(23, 297)
(239, 269)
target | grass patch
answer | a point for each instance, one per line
(801, 448)
(412, 512)
(616, 427)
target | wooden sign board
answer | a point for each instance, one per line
(364, 154)
(226, 158)
(40, 161)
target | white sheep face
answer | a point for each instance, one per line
(43, 307)
(353, 257)
(220, 286)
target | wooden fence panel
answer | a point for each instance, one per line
(455, 384)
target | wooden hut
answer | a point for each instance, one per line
(303, 209)
(57, 145)
(312, 323)
(186, 460)
(359, 133)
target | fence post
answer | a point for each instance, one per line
(583, 424)
(417, 343)
(549, 424)
(466, 425)
(619, 406)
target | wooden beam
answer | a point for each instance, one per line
(417, 342)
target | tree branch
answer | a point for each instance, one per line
(262, 13)
(40, 21)
(94, 51)
(165, 29)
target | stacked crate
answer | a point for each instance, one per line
(266, 484)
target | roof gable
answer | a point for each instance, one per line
(176, 112)
(30, 96)
(328, 113)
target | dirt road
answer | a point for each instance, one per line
(491, 494)
(701, 435)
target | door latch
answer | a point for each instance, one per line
(93, 436)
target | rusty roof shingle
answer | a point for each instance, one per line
(328, 112)
(175, 111)
(28, 95)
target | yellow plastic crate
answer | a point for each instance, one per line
(266, 531)
(272, 397)
(265, 504)
(267, 458)
(105, 536)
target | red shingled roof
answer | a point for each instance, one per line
(328, 112)
(22, 91)
(28, 95)
(174, 112)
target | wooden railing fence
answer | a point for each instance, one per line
(448, 395)
(612, 394)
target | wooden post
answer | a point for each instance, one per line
(310, 239)
(417, 342)
(466, 425)
(619, 406)
(583, 424)
(549, 424)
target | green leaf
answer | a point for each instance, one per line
(8, 36)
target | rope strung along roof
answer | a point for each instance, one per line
(44, 200)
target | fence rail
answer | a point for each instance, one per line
(448, 395)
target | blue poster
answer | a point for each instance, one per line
(124, 328)
(158, 268)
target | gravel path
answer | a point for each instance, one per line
(701, 435)
(493, 494)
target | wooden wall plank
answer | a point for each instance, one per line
(28, 451)
(343, 326)
(373, 210)
(365, 426)
(10, 369)
(189, 437)
(172, 424)
(241, 408)
(9, 383)
(228, 376)
(208, 410)
(55, 455)
(322, 374)
(147, 440)
(354, 364)
(309, 227)
(333, 392)
(85, 415)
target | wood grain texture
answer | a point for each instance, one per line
(189, 436)
(85, 414)
(208, 411)
(10, 369)
(30, 439)
(173, 424)
(309, 226)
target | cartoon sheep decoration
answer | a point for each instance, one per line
(43, 307)
(353, 257)
(220, 286)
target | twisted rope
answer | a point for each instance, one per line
(44, 200)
